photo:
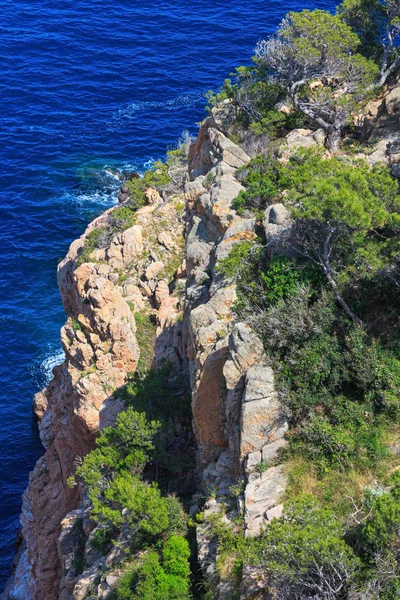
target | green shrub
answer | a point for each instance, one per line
(176, 555)
(121, 453)
(283, 276)
(177, 518)
(350, 440)
(159, 579)
(381, 529)
(305, 553)
(232, 264)
(95, 240)
(261, 179)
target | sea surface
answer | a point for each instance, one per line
(88, 90)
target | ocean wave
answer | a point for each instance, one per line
(134, 109)
(48, 364)
(42, 371)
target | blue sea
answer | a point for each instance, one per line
(88, 89)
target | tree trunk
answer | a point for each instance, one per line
(333, 139)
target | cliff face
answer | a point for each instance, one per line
(236, 415)
(101, 348)
(165, 265)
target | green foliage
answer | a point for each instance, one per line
(354, 207)
(76, 326)
(145, 335)
(102, 538)
(225, 92)
(177, 518)
(261, 467)
(230, 265)
(110, 472)
(253, 98)
(357, 196)
(155, 579)
(283, 276)
(130, 501)
(261, 180)
(156, 177)
(122, 218)
(163, 394)
(344, 438)
(176, 555)
(366, 18)
(381, 529)
(305, 552)
(95, 240)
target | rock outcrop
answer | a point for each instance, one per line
(101, 348)
(236, 414)
(237, 418)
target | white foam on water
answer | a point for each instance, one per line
(51, 361)
(42, 371)
(132, 110)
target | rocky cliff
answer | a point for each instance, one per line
(165, 265)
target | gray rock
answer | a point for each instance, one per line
(393, 101)
(270, 451)
(274, 513)
(226, 150)
(253, 459)
(261, 495)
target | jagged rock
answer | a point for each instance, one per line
(194, 189)
(18, 586)
(154, 269)
(302, 138)
(226, 150)
(132, 294)
(276, 221)
(39, 404)
(262, 421)
(253, 459)
(166, 240)
(208, 406)
(152, 196)
(262, 494)
(125, 247)
(274, 513)
(270, 451)
(212, 147)
(255, 580)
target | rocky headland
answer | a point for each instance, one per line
(166, 266)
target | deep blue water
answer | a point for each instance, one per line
(87, 86)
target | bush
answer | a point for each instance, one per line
(283, 276)
(382, 529)
(261, 180)
(344, 439)
(121, 453)
(155, 579)
(232, 264)
(305, 553)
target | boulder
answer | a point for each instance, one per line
(154, 269)
(277, 222)
(393, 101)
(165, 240)
(152, 196)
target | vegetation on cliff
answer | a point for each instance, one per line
(322, 293)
